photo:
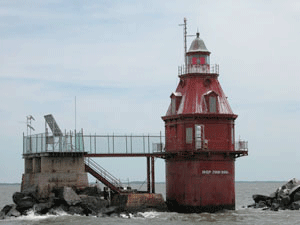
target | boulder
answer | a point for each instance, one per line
(23, 201)
(261, 204)
(257, 198)
(13, 212)
(90, 191)
(43, 208)
(7, 208)
(286, 197)
(275, 206)
(108, 211)
(295, 205)
(296, 196)
(68, 195)
(2, 215)
(92, 204)
(285, 200)
(76, 210)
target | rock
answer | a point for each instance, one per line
(13, 212)
(90, 191)
(273, 195)
(258, 198)
(275, 206)
(57, 210)
(2, 215)
(43, 208)
(261, 204)
(23, 201)
(296, 197)
(7, 208)
(17, 196)
(76, 210)
(92, 204)
(108, 211)
(251, 206)
(295, 205)
(32, 192)
(285, 200)
(69, 196)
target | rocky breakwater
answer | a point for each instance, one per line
(89, 201)
(285, 197)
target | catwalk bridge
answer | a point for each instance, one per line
(58, 144)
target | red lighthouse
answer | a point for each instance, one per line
(200, 144)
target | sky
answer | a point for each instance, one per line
(120, 60)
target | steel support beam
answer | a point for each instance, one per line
(148, 174)
(152, 174)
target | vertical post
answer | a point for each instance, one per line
(42, 142)
(75, 142)
(148, 144)
(108, 142)
(185, 47)
(36, 143)
(90, 143)
(131, 142)
(148, 174)
(71, 142)
(95, 142)
(143, 143)
(113, 140)
(160, 142)
(126, 143)
(152, 174)
(23, 144)
(75, 116)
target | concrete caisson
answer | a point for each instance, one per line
(46, 171)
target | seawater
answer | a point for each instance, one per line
(242, 214)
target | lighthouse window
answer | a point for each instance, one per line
(189, 135)
(173, 106)
(199, 136)
(212, 104)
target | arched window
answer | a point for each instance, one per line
(212, 104)
(175, 102)
(211, 99)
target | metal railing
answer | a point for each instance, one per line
(123, 144)
(94, 144)
(38, 143)
(103, 173)
(205, 68)
(241, 145)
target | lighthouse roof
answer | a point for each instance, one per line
(198, 45)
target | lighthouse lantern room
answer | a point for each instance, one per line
(200, 143)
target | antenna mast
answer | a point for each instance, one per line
(184, 35)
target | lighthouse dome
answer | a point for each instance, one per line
(198, 45)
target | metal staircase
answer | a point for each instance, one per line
(103, 175)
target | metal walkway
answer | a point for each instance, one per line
(103, 175)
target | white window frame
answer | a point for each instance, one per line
(199, 136)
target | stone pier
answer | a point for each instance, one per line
(48, 170)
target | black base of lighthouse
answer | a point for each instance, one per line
(173, 206)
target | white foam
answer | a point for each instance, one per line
(35, 217)
(150, 214)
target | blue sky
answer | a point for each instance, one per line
(120, 59)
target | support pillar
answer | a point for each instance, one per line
(148, 174)
(152, 175)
